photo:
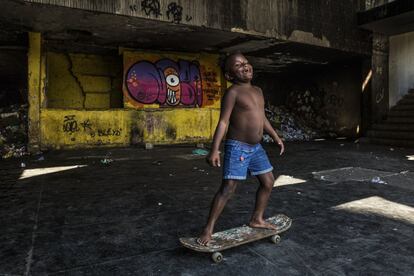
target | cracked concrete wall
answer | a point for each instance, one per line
(82, 81)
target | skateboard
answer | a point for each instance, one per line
(237, 236)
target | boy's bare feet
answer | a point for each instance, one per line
(262, 224)
(204, 238)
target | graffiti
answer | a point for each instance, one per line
(86, 125)
(151, 7)
(379, 70)
(165, 82)
(335, 100)
(70, 124)
(379, 96)
(212, 94)
(210, 76)
(109, 132)
(175, 12)
(133, 8)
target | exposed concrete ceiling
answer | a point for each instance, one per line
(76, 30)
(398, 24)
(392, 18)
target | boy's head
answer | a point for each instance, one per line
(237, 68)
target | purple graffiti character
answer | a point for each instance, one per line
(170, 71)
(165, 82)
(144, 82)
(191, 93)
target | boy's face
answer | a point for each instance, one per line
(239, 69)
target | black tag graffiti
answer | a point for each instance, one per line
(151, 7)
(70, 124)
(175, 12)
(86, 125)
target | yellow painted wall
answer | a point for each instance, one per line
(63, 90)
(120, 127)
(74, 128)
(35, 81)
(82, 81)
(81, 89)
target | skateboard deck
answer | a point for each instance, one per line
(237, 236)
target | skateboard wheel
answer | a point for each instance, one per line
(275, 239)
(217, 257)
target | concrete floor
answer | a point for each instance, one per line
(125, 218)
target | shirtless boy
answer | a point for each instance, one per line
(242, 115)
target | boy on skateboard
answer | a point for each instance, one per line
(242, 115)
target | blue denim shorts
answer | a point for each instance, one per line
(240, 158)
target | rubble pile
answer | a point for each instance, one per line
(13, 131)
(302, 119)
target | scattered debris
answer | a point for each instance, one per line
(200, 152)
(106, 161)
(22, 165)
(378, 180)
(41, 158)
(7, 115)
(13, 131)
(158, 162)
(267, 138)
(303, 118)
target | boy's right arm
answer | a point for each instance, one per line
(227, 104)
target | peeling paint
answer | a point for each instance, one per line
(242, 31)
(307, 37)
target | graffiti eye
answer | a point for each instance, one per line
(172, 80)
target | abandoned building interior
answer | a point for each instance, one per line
(80, 76)
(325, 74)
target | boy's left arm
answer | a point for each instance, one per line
(269, 129)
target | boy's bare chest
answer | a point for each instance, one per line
(250, 101)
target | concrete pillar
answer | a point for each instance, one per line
(380, 93)
(34, 88)
(366, 90)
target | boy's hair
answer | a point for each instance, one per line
(223, 60)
